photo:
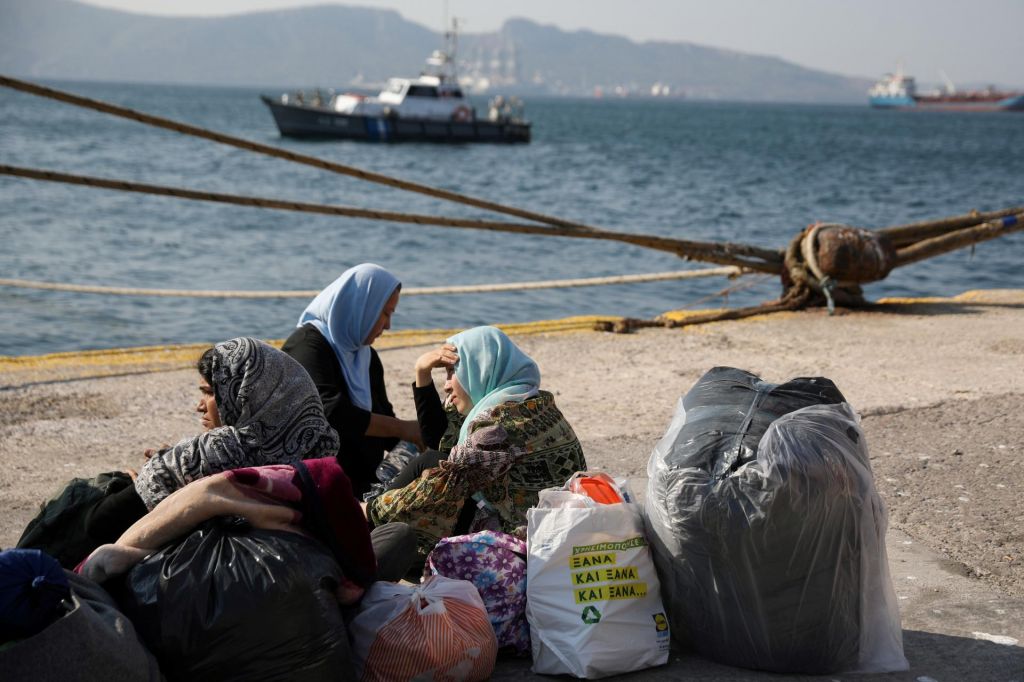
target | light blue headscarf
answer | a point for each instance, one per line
(492, 370)
(345, 313)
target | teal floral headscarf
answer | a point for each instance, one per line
(492, 370)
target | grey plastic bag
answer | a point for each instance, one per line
(775, 559)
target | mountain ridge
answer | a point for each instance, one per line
(337, 45)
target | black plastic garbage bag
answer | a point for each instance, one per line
(729, 409)
(768, 532)
(229, 602)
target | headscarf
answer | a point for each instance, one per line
(271, 414)
(492, 370)
(345, 313)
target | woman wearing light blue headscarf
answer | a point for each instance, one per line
(495, 371)
(500, 439)
(333, 342)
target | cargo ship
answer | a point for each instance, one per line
(897, 91)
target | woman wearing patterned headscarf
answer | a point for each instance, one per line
(333, 342)
(259, 408)
(499, 439)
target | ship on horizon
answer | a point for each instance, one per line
(898, 91)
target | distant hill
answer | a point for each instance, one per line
(334, 46)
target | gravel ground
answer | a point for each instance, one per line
(940, 386)
(952, 476)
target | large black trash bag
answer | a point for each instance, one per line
(233, 603)
(729, 409)
(768, 532)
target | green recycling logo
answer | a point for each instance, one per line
(591, 615)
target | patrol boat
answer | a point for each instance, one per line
(429, 108)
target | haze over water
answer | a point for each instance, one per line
(724, 172)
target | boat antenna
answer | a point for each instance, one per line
(950, 88)
(451, 46)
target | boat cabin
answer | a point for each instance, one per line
(426, 97)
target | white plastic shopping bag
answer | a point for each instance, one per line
(592, 595)
(436, 631)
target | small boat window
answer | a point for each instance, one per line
(422, 91)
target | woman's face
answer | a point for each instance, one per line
(207, 407)
(457, 394)
(384, 321)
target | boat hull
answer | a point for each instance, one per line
(315, 122)
(1011, 103)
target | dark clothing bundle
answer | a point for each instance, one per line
(91, 641)
(87, 513)
(768, 533)
(359, 454)
(231, 599)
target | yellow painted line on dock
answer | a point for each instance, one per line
(90, 364)
(93, 364)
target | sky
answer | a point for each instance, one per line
(971, 41)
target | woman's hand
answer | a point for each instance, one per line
(149, 452)
(442, 356)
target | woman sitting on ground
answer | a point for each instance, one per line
(499, 440)
(257, 407)
(332, 342)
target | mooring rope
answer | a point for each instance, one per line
(278, 152)
(801, 276)
(967, 236)
(903, 235)
(751, 282)
(739, 255)
(408, 291)
(261, 202)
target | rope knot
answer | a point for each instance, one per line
(830, 261)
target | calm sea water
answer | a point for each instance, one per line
(727, 172)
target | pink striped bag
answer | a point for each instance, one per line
(438, 630)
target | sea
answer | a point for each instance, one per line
(711, 171)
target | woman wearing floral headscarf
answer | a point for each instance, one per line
(332, 341)
(500, 441)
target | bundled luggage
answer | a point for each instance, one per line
(436, 631)
(228, 602)
(768, 532)
(496, 565)
(85, 514)
(58, 626)
(593, 601)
